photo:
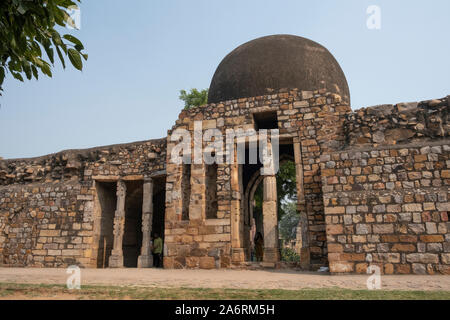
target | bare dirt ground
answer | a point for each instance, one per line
(235, 279)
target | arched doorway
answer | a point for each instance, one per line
(286, 207)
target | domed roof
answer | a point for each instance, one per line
(278, 61)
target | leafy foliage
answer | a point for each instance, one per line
(289, 221)
(287, 200)
(194, 98)
(27, 28)
(286, 186)
(289, 255)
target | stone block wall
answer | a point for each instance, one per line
(47, 204)
(45, 225)
(388, 206)
(312, 119)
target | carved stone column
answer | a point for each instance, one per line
(270, 219)
(145, 260)
(116, 258)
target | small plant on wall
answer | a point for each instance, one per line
(194, 98)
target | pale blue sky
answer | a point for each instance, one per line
(141, 53)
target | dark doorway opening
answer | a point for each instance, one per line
(186, 191)
(211, 191)
(159, 207)
(132, 237)
(106, 193)
(287, 214)
(265, 120)
(253, 218)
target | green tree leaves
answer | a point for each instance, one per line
(45, 68)
(27, 27)
(2, 75)
(78, 45)
(289, 221)
(194, 98)
(75, 58)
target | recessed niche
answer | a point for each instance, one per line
(265, 120)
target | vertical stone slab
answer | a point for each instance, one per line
(299, 171)
(270, 219)
(116, 258)
(237, 215)
(145, 260)
(302, 228)
(197, 205)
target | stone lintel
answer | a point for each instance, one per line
(102, 178)
(135, 177)
(113, 178)
(159, 173)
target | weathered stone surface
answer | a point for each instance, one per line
(419, 268)
(422, 257)
(383, 228)
(373, 182)
(277, 62)
(341, 267)
(445, 258)
(405, 218)
(388, 124)
(207, 263)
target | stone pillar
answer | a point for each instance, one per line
(270, 219)
(116, 258)
(302, 228)
(145, 260)
(237, 215)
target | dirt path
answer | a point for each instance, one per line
(237, 279)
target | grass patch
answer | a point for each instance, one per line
(46, 291)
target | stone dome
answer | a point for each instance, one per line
(277, 61)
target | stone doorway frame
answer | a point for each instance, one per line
(145, 259)
(248, 197)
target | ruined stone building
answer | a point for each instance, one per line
(372, 184)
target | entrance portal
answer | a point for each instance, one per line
(286, 215)
(128, 213)
(132, 237)
(159, 207)
(106, 195)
